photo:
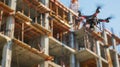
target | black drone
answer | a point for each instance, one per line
(92, 20)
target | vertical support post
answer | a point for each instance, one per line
(44, 38)
(72, 60)
(10, 24)
(99, 61)
(109, 58)
(52, 26)
(4, 1)
(36, 17)
(29, 11)
(41, 19)
(116, 59)
(63, 16)
(1, 13)
(61, 36)
(78, 63)
(56, 10)
(7, 54)
(71, 21)
(22, 32)
(104, 35)
(72, 56)
(107, 49)
(45, 44)
(23, 8)
(77, 45)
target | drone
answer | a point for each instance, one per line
(92, 20)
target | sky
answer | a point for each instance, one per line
(109, 8)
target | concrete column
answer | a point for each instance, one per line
(7, 50)
(45, 44)
(104, 35)
(72, 60)
(78, 63)
(71, 21)
(72, 44)
(7, 55)
(44, 38)
(116, 59)
(99, 61)
(12, 4)
(77, 45)
(107, 49)
(109, 58)
(10, 26)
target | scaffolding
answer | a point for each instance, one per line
(40, 33)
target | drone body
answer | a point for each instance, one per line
(92, 20)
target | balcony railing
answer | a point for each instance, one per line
(87, 39)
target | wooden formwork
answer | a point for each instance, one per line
(6, 8)
(60, 23)
(37, 6)
(63, 7)
(40, 27)
(109, 35)
(23, 54)
(24, 19)
(83, 31)
(29, 48)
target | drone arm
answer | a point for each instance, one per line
(103, 20)
(86, 17)
(97, 11)
(95, 14)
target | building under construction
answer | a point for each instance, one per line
(40, 33)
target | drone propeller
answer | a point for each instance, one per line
(79, 13)
(107, 19)
(98, 9)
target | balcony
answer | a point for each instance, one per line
(109, 37)
(31, 55)
(56, 47)
(86, 45)
(59, 15)
(36, 5)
